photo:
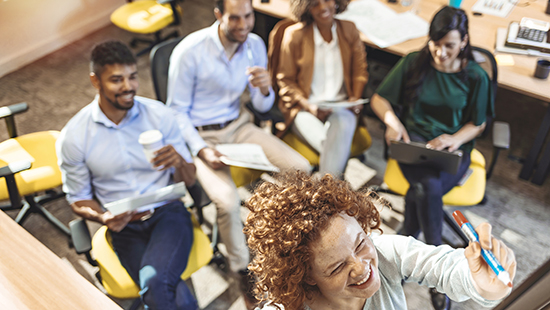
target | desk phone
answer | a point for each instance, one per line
(533, 30)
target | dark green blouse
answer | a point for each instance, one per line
(445, 102)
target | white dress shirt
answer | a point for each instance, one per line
(328, 70)
(204, 86)
(101, 159)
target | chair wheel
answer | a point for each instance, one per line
(133, 43)
(220, 261)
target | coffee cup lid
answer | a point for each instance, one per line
(150, 136)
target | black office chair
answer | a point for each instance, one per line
(29, 166)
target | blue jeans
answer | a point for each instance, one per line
(424, 199)
(155, 254)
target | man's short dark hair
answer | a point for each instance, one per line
(219, 4)
(109, 53)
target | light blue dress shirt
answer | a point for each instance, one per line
(101, 159)
(204, 86)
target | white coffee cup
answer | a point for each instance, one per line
(152, 141)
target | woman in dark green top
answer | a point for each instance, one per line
(444, 97)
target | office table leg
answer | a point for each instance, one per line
(531, 159)
(542, 167)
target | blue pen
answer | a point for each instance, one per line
(491, 260)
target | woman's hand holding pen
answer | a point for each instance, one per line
(485, 280)
(259, 77)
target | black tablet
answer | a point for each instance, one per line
(414, 153)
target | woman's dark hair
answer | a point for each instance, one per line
(300, 9)
(444, 21)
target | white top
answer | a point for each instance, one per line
(405, 258)
(328, 70)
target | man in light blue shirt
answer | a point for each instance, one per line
(209, 71)
(102, 161)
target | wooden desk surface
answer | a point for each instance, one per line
(33, 277)
(518, 78)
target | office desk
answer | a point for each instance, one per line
(518, 78)
(33, 277)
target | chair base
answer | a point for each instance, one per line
(33, 204)
(151, 43)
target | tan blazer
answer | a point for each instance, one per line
(295, 68)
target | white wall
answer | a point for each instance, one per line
(30, 29)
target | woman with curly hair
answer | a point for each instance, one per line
(317, 245)
(321, 59)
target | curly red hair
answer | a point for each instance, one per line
(285, 218)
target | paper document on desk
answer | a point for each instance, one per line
(500, 8)
(245, 155)
(170, 192)
(382, 25)
(502, 33)
(339, 104)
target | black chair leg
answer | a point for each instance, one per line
(450, 221)
(135, 305)
(32, 207)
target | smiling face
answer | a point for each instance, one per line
(237, 20)
(446, 50)
(345, 263)
(323, 11)
(117, 86)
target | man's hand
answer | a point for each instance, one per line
(211, 157)
(485, 280)
(118, 222)
(444, 141)
(259, 77)
(167, 157)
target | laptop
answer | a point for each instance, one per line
(415, 153)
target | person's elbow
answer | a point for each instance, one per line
(481, 128)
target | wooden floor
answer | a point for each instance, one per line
(57, 86)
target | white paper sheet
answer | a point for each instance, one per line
(382, 25)
(339, 104)
(499, 8)
(245, 155)
(170, 192)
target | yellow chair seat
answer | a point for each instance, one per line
(116, 280)
(361, 142)
(145, 16)
(244, 176)
(471, 193)
(39, 149)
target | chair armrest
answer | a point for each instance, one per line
(80, 235)
(14, 168)
(13, 109)
(259, 116)
(501, 135)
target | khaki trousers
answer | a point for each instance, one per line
(220, 188)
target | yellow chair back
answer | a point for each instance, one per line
(39, 149)
(145, 16)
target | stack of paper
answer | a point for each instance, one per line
(382, 25)
(339, 104)
(245, 155)
(171, 192)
